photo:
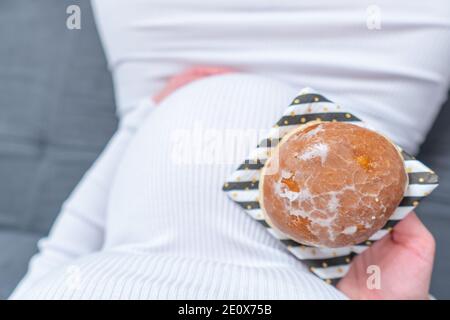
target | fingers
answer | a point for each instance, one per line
(201, 71)
(412, 233)
(188, 76)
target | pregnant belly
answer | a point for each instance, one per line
(136, 274)
(167, 192)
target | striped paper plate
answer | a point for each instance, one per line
(329, 264)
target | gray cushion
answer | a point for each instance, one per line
(435, 210)
(17, 249)
(56, 114)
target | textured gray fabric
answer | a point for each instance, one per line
(435, 210)
(17, 248)
(57, 112)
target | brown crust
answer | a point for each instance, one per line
(332, 184)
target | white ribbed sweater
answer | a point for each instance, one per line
(398, 74)
(147, 223)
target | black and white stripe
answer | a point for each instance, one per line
(242, 186)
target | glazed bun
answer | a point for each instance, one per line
(332, 184)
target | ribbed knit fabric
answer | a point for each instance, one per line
(386, 58)
(166, 229)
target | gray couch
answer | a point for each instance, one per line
(57, 113)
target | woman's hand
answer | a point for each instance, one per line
(186, 77)
(405, 261)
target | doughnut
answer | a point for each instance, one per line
(332, 184)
